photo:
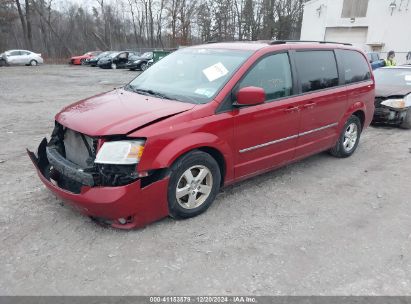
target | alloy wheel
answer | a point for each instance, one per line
(194, 187)
(350, 137)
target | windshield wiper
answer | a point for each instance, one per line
(150, 92)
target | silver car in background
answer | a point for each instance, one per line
(20, 57)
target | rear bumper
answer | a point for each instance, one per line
(139, 206)
(385, 115)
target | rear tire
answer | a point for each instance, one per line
(194, 184)
(113, 66)
(82, 62)
(349, 138)
(406, 123)
(33, 62)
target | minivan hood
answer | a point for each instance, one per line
(117, 112)
(388, 90)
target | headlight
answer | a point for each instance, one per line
(398, 103)
(137, 61)
(122, 152)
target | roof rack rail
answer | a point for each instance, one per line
(309, 41)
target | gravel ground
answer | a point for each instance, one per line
(322, 226)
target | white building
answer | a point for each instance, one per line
(372, 25)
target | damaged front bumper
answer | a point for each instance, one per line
(387, 115)
(127, 206)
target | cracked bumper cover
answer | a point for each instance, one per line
(141, 205)
(389, 115)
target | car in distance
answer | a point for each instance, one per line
(202, 118)
(116, 60)
(93, 60)
(140, 63)
(21, 57)
(393, 96)
(77, 60)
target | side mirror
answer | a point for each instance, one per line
(249, 96)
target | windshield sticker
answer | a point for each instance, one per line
(215, 71)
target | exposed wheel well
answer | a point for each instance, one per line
(218, 157)
(360, 114)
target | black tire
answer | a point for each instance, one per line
(33, 62)
(180, 166)
(82, 61)
(406, 123)
(143, 66)
(340, 150)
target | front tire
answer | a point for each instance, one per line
(406, 123)
(33, 62)
(144, 66)
(349, 138)
(194, 184)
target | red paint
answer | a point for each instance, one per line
(250, 96)
(118, 202)
(190, 126)
(76, 60)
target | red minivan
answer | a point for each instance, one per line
(202, 118)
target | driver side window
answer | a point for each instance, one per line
(273, 74)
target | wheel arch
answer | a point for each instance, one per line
(361, 115)
(358, 109)
(206, 142)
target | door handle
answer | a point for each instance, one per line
(292, 109)
(309, 105)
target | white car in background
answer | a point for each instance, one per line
(20, 57)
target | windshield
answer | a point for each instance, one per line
(102, 54)
(147, 55)
(112, 55)
(190, 75)
(133, 57)
(393, 77)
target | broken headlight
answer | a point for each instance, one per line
(122, 152)
(398, 103)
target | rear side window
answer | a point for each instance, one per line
(355, 67)
(273, 74)
(317, 70)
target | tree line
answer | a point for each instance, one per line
(45, 26)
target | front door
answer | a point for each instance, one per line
(266, 134)
(14, 57)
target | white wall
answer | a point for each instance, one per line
(392, 30)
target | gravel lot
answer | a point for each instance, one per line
(321, 226)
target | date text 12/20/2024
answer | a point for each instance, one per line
(203, 299)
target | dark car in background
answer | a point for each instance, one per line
(116, 60)
(141, 62)
(93, 61)
(393, 96)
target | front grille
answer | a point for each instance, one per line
(80, 148)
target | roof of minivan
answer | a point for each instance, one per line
(257, 45)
